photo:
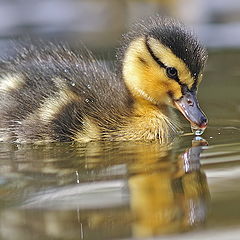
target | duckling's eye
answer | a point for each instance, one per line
(171, 72)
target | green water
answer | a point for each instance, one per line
(186, 190)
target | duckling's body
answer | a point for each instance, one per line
(49, 93)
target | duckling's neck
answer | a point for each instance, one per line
(151, 122)
(143, 107)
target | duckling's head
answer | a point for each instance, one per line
(162, 64)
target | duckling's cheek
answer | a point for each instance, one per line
(174, 90)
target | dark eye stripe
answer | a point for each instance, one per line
(184, 87)
(161, 64)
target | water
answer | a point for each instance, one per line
(127, 190)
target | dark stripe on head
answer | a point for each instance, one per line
(172, 34)
(156, 59)
(159, 62)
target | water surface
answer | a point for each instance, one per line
(104, 190)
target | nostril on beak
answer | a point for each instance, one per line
(190, 102)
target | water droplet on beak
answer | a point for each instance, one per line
(197, 131)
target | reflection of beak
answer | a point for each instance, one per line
(189, 107)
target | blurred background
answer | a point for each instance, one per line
(34, 171)
(100, 23)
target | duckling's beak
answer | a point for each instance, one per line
(188, 105)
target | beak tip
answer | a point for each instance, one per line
(203, 122)
(189, 107)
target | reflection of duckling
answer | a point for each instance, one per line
(49, 93)
(170, 199)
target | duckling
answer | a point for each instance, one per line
(50, 93)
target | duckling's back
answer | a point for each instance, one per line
(49, 93)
